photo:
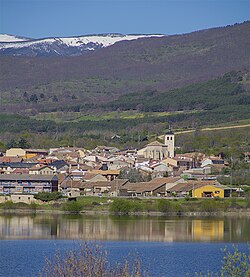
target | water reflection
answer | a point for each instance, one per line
(123, 228)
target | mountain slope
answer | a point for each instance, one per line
(69, 46)
(34, 84)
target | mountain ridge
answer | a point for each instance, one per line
(62, 46)
(136, 66)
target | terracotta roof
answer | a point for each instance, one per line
(138, 187)
(98, 184)
(89, 175)
(190, 185)
(69, 183)
(164, 180)
(61, 177)
(142, 186)
(21, 171)
(11, 159)
(106, 172)
(118, 182)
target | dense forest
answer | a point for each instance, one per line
(147, 115)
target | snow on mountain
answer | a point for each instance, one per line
(104, 40)
(68, 46)
(11, 38)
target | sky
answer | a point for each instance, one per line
(62, 18)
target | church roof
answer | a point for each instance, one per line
(156, 143)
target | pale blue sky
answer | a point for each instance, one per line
(43, 18)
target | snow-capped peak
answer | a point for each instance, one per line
(65, 46)
(11, 38)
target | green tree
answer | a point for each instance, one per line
(133, 174)
(23, 143)
(48, 196)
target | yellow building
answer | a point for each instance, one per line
(211, 191)
(200, 189)
(25, 153)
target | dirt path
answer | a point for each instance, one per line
(215, 128)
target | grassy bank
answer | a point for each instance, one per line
(127, 206)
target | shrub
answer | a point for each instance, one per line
(235, 264)
(73, 206)
(165, 206)
(214, 205)
(8, 205)
(48, 196)
(89, 260)
(120, 206)
(178, 208)
(136, 206)
(33, 206)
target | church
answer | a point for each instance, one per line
(159, 151)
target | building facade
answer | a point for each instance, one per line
(25, 183)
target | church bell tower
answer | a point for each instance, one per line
(169, 141)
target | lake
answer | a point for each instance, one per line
(167, 246)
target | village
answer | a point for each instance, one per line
(153, 171)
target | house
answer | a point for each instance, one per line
(116, 186)
(11, 159)
(59, 166)
(20, 171)
(93, 177)
(158, 169)
(26, 183)
(106, 150)
(68, 183)
(212, 161)
(133, 189)
(197, 173)
(168, 181)
(114, 163)
(77, 174)
(215, 163)
(184, 161)
(108, 174)
(155, 187)
(42, 169)
(97, 188)
(178, 164)
(10, 167)
(214, 189)
(200, 189)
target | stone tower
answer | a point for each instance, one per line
(169, 141)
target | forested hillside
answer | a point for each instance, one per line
(143, 65)
(134, 89)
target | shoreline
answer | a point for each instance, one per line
(230, 213)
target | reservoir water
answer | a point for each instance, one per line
(166, 246)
